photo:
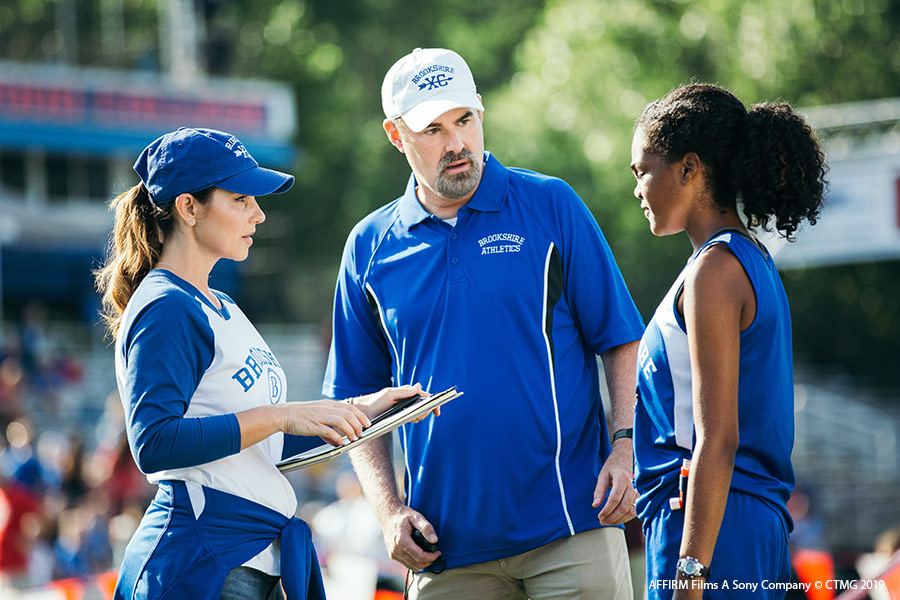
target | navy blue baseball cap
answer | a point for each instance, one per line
(190, 160)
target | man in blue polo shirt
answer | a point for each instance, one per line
(499, 281)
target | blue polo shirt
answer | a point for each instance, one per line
(511, 304)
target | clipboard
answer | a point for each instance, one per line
(399, 414)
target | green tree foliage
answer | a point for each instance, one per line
(587, 69)
(562, 80)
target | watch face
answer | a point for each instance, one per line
(690, 567)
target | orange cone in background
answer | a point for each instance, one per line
(812, 566)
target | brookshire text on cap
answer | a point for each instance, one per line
(425, 84)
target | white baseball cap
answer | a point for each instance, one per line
(425, 84)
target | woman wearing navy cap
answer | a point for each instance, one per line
(205, 398)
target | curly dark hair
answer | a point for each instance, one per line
(768, 158)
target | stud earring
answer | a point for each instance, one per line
(191, 223)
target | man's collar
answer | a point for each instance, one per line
(489, 196)
(491, 192)
(411, 212)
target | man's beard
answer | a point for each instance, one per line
(458, 185)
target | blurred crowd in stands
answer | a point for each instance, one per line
(69, 492)
(71, 495)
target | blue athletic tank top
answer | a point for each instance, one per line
(663, 424)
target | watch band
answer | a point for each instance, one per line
(623, 433)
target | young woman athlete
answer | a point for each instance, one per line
(714, 376)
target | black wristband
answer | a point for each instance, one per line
(623, 433)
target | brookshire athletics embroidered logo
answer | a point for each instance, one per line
(441, 78)
(501, 243)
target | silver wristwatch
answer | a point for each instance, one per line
(690, 567)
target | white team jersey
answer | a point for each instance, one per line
(242, 373)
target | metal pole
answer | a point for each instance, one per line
(178, 36)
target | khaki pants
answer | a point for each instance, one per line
(588, 566)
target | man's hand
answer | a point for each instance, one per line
(616, 477)
(375, 404)
(398, 540)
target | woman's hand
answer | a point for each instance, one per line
(375, 404)
(329, 419)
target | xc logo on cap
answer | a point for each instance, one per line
(435, 81)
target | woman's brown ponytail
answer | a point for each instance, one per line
(134, 248)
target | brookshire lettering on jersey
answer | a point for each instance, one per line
(644, 361)
(502, 237)
(515, 245)
(255, 361)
